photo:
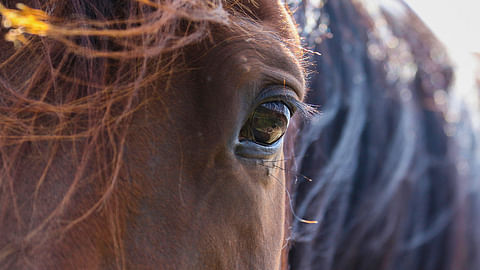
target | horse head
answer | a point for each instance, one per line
(147, 134)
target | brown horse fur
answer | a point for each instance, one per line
(118, 131)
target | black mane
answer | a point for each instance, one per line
(394, 183)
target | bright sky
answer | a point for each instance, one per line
(457, 24)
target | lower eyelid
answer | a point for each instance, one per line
(249, 149)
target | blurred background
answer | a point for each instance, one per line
(456, 24)
(393, 158)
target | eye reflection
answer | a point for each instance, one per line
(267, 124)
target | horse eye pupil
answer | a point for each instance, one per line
(267, 124)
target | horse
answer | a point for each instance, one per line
(159, 134)
(142, 134)
(392, 168)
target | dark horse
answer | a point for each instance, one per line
(146, 134)
(395, 167)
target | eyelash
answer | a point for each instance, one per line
(306, 110)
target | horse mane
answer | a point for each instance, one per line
(67, 96)
(394, 166)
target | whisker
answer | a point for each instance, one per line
(295, 173)
(291, 204)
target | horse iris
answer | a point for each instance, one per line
(267, 124)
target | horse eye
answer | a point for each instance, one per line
(267, 124)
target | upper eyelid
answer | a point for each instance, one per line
(281, 79)
(281, 91)
(289, 96)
